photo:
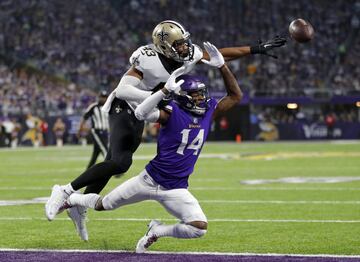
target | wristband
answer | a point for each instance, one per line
(256, 49)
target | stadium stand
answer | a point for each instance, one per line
(66, 40)
(76, 48)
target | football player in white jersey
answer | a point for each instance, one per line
(151, 66)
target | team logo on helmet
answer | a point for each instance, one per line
(163, 36)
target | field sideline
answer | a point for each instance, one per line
(260, 198)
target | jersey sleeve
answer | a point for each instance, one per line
(142, 58)
(168, 108)
(171, 108)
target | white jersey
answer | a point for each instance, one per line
(154, 70)
(147, 60)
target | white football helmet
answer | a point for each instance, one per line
(173, 41)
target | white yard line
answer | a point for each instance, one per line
(178, 253)
(34, 188)
(301, 188)
(42, 200)
(274, 188)
(24, 188)
(27, 173)
(220, 155)
(318, 202)
(222, 220)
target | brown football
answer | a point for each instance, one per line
(301, 31)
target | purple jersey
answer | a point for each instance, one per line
(179, 145)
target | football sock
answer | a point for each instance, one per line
(178, 230)
(88, 200)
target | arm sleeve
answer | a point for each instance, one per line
(148, 105)
(127, 89)
(153, 116)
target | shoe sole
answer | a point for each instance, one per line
(76, 226)
(147, 244)
(49, 215)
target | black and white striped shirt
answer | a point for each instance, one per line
(99, 119)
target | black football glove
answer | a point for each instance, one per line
(264, 48)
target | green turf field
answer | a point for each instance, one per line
(299, 218)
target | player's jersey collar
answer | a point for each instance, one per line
(170, 65)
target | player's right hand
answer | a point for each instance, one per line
(171, 85)
(216, 58)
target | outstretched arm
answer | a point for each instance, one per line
(234, 93)
(231, 53)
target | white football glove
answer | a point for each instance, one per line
(216, 58)
(171, 85)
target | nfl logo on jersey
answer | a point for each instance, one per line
(195, 120)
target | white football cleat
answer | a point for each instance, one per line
(146, 241)
(78, 216)
(55, 202)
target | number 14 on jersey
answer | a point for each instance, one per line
(195, 145)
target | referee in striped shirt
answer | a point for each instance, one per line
(99, 127)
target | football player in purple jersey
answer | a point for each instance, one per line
(185, 125)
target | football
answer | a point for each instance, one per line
(301, 31)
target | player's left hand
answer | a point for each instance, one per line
(216, 58)
(171, 85)
(264, 48)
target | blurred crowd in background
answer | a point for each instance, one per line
(56, 55)
(22, 92)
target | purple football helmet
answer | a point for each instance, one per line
(185, 100)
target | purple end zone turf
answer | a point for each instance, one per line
(30, 256)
